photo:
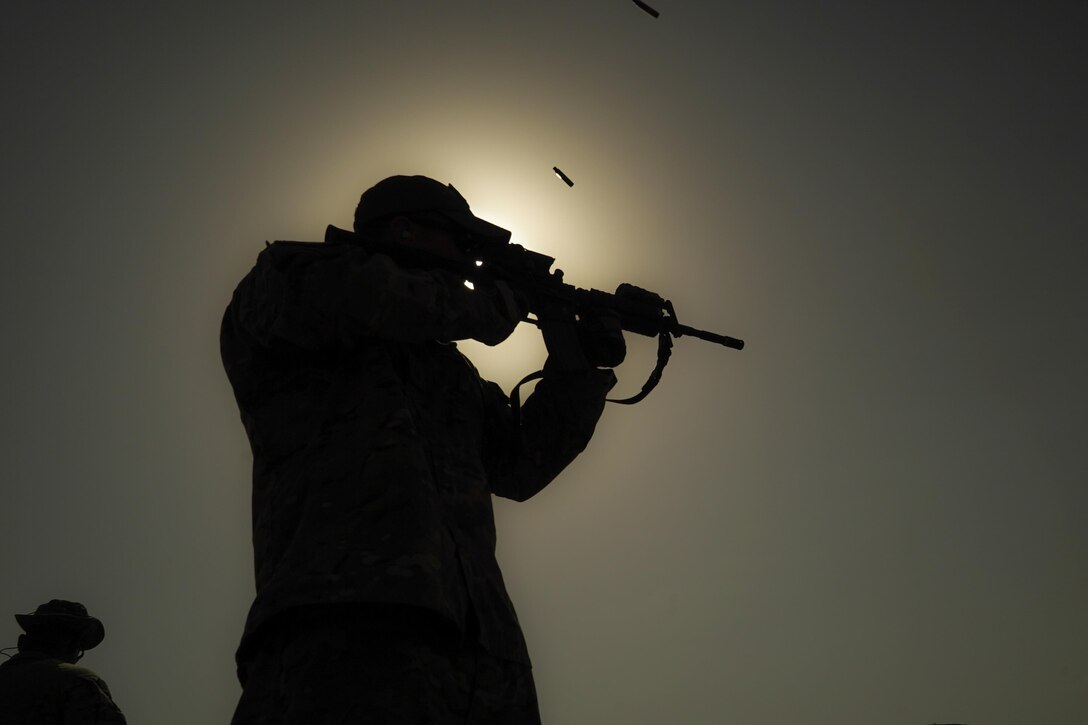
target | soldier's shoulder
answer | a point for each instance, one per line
(284, 246)
(285, 249)
(286, 253)
(76, 672)
(85, 682)
(86, 692)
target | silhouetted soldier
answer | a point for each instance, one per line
(42, 685)
(376, 448)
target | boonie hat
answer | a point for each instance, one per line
(61, 614)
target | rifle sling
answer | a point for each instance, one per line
(664, 351)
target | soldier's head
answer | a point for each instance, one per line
(419, 212)
(61, 629)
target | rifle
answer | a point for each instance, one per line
(639, 310)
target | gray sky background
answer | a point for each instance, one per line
(874, 513)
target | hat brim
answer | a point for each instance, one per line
(90, 630)
(480, 229)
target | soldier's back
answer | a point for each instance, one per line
(39, 690)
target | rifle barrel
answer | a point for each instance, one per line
(679, 330)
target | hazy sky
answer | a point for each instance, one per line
(875, 513)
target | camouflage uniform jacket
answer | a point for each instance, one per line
(36, 689)
(376, 448)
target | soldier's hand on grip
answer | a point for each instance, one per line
(600, 333)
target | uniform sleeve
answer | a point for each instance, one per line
(315, 296)
(556, 422)
(88, 701)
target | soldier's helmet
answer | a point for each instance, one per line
(64, 616)
(408, 195)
